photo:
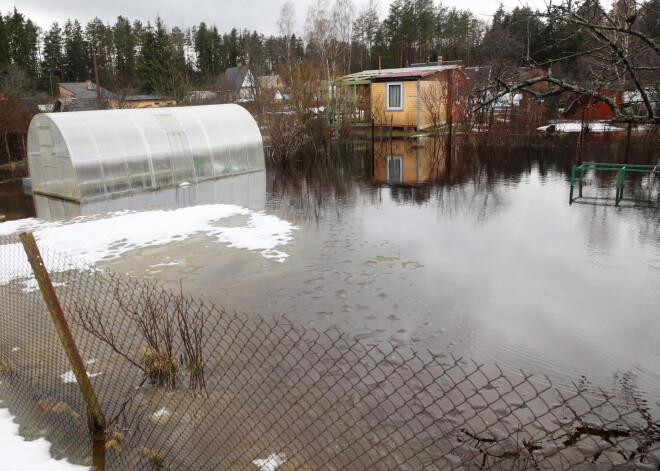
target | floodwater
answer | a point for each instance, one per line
(478, 255)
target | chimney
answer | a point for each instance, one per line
(89, 85)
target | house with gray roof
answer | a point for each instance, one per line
(80, 96)
(83, 96)
(240, 83)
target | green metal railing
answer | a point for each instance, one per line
(621, 169)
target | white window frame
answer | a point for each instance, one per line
(387, 96)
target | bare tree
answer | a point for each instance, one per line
(328, 32)
(434, 101)
(615, 54)
(366, 25)
(285, 25)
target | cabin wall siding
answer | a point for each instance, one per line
(415, 112)
(429, 91)
(403, 118)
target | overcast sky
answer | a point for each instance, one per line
(260, 15)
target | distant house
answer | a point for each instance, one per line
(275, 85)
(634, 103)
(414, 97)
(270, 81)
(585, 107)
(240, 84)
(198, 97)
(83, 96)
(80, 96)
(116, 101)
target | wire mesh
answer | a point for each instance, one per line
(188, 385)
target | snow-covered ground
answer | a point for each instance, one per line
(92, 239)
(18, 454)
(576, 126)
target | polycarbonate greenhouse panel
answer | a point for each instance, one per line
(87, 155)
(247, 190)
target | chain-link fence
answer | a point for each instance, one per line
(188, 386)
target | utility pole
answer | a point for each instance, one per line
(96, 77)
(59, 60)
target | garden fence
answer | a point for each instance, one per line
(185, 385)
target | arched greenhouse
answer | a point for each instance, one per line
(86, 155)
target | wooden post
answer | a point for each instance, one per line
(450, 114)
(95, 417)
(98, 86)
(373, 145)
(625, 159)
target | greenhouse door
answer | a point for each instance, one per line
(182, 162)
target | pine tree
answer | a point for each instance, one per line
(99, 37)
(159, 70)
(52, 54)
(4, 42)
(23, 35)
(124, 42)
(76, 65)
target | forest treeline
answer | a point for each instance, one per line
(340, 36)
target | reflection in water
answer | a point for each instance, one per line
(409, 161)
(479, 254)
(14, 202)
(247, 190)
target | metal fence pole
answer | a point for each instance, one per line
(95, 417)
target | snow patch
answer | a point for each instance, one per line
(92, 239)
(271, 463)
(161, 413)
(70, 377)
(17, 454)
(577, 127)
(32, 285)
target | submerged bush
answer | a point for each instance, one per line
(5, 368)
(155, 458)
(160, 368)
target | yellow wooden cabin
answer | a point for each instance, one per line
(412, 98)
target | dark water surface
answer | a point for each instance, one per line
(479, 255)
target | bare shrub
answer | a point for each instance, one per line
(290, 125)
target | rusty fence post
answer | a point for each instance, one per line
(95, 417)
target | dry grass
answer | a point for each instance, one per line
(160, 368)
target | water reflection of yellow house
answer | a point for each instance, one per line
(409, 161)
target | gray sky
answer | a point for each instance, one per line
(261, 15)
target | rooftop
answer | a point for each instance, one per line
(405, 71)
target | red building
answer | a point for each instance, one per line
(586, 107)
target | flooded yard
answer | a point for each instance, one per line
(376, 308)
(479, 255)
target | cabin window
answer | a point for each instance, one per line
(394, 96)
(394, 166)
